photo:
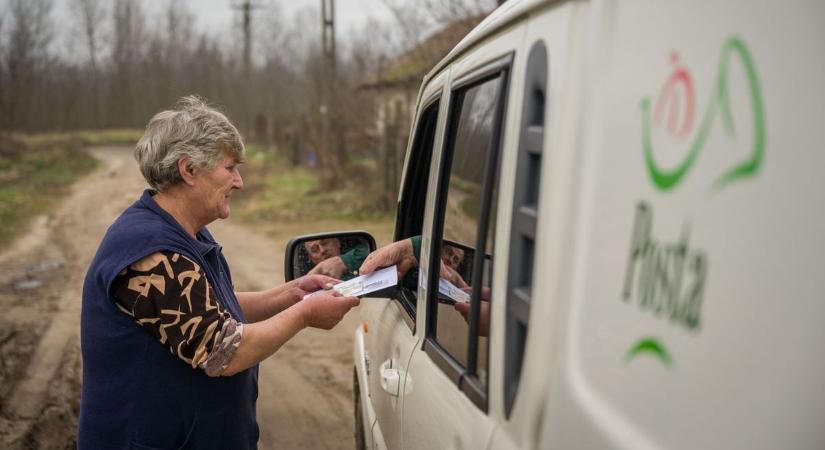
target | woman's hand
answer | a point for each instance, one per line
(314, 282)
(325, 310)
(262, 339)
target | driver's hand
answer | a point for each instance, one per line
(400, 253)
(451, 275)
(333, 267)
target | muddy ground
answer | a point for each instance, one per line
(305, 388)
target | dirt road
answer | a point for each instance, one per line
(305, 389)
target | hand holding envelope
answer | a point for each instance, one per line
(366, 284)
(388, 277)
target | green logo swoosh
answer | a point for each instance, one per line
(665, 179)
(652, 346)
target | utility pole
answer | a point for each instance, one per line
(329, 104)
(328, 34)
(246, 8)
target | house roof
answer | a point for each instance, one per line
(409, 68)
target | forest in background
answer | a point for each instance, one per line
(128, 64)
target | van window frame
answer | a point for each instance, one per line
(501, 68)
(414, 192)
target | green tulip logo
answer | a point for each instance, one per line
(666, 179)
(674, 113)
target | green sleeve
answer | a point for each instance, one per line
(416, 245)
(355, 257)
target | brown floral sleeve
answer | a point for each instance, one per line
(168, 294)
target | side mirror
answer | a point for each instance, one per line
(338, 254)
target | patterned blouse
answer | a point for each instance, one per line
(168, 294)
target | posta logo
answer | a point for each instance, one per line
(667, 278)
(680, 86)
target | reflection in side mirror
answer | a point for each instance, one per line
(338, 254)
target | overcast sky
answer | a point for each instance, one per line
(218, 15)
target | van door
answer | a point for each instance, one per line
(540, 216)
(446, 401)
(389, 334)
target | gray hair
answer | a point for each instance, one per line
(192, 128)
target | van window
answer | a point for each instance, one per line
(462, 214)
(459, 299)
(410, 213)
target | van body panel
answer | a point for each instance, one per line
(695, 313)
(561, 27)
(388, 345)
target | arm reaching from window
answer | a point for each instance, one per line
(402, 253)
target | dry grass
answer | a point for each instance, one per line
(126, 136)
(34, 176)
(275, 191)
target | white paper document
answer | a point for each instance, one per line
(366, 284)
(452, 291)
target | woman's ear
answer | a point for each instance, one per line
(187, 170)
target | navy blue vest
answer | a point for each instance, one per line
(136, 393)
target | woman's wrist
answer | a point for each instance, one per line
(301, 314)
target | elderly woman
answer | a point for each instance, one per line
(170, 350)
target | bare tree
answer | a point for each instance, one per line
(139, 67)
(127, 53)
(207, 74)
(178, 39)
(2, 74)
(443, 12)
(412, 23)
(90, 15)
(424, 31)
(24, 58)
(416, 19)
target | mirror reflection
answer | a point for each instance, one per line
(339, 257)
(456, 264)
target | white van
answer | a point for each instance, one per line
(632, 193)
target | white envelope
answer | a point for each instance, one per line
(365, 284)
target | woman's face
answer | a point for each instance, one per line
(215, 187)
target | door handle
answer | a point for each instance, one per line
(392, 376)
